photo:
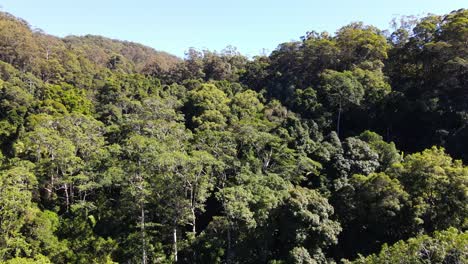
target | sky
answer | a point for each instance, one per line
(253, 26)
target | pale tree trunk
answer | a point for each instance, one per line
(194, 227)
(174, 233)
(266, 160)
(67, 198)
(192, 208)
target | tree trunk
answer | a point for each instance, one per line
(194, 230)
(143, 239)
(67, 198)
(192, 209)
(194, 221)
(175, 244)
(194, 227)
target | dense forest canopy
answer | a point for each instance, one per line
(337, 148)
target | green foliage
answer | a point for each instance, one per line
(361, 45)
(342, 90)
(432, 178)
(73, 99)
(447, 246)
(388, 154)
(37, 260)
(372, 207)
(26, 230)
(307, 222)
(112, 152)
(210, 106)
(16, 185)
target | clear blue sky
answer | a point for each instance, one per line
(249, 25)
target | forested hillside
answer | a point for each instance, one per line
(346, 147)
